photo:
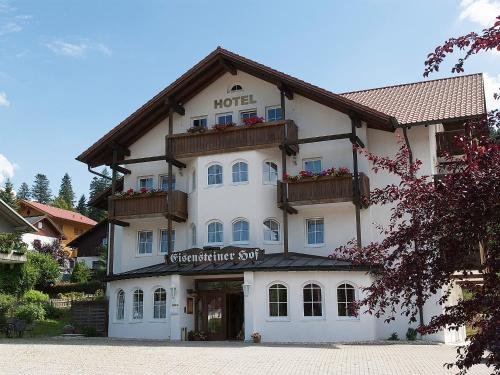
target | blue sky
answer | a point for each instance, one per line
(70, 71)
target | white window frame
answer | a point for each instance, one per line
(265, 176)
(160, 304)
(139, 305)
(222, 174)
(199, 118)
(322, 291)
(245, 242)
(247, 111)
(208, 233)
(217, 115)
(264, 230)
(268, 302)
(304, 161)
(145, 178)
(273, 107)
(120, 307)
(161, 176)
(159, 241)
(138, 253)
(239, 173)
(356, 298)
(307, 233)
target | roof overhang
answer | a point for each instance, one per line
(18, 223)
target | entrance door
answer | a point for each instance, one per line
(214, 317)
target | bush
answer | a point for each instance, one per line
(35, 296)
(52, 312)
(47, 266)
(17, 279)
(90, 287)
(81, 273)
(411, 334)
(89, 331)
(393, 337)
(30, 312)
(6, 304)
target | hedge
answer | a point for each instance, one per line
(90, 287)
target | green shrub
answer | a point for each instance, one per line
(47, 267)
(6, 304)
(90, 287)
(35, 296)
(411, 334)
(18, 279)
(89, 331)
(52, 312)
(393, 337)
(81, 273)
(30, 312)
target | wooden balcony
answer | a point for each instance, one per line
(148, 205)
(326, 189)
(446, 142)
(239, 138)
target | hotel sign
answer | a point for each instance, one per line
(215, 255)
(234, 101)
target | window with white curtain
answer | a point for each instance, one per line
(138, 304)
(270, 172)
(215, 174)
(160, 304)
(271, 230)
(240, 172)
(215, 232)
(120, 305)
(241, 231)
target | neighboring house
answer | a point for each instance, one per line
(71, 223)
(47, 231)
(89, 245)
(199, 206)
(12, 222)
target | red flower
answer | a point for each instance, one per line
(253, 120)
(144, 190)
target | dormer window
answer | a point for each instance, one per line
(236, 87)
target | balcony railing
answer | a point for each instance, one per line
(239, 138)
(325, 189)
(446, 142)
(148, 205)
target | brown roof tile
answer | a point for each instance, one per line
(427, 101)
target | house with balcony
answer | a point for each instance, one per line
(233, 185)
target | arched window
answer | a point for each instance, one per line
(278, 300)
(215, 232)
(345, 300)
(120, 305)
(241, 231)
(240, 172)
(215, 174)
(193, 235)
(138, 304)
(160, 304)
(271, 230)
(236, 87)
(270, 172)
(313, 305)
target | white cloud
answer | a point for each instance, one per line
(491, 86)
(482, 12)
(10, 27)
(4, 102)
(6, 168)
(77, 49)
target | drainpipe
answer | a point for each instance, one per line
(97, 173)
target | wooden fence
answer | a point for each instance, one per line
(91, 314)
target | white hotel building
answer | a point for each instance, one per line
(254, 246)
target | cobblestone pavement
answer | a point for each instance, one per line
(118, 357)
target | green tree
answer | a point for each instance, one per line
(18, 278)
(81, 207)
(81, 273)
(7, 194)
(97, 185)
(60, 202)
(40, 191)
(66, 190)
(47, 267)
(24, 191)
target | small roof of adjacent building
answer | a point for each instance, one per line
(269, 262)
(59, 213)
(76, 242)
(14, 220)
(34, 220)
(446, 99)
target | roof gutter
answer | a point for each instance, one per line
(97, 173)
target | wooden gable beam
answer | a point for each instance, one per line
(227, 66)
(286, 90)
(121, 169)
(176, 107)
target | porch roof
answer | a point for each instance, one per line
(269, 263)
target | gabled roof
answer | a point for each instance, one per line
(82, 237)
(446, 99)
(59, 213)
(34, 220)
(200, 76)
(19, 224)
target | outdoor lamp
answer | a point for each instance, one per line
(246, 289)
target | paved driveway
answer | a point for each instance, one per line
(117, 357)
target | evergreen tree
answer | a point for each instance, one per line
(8, 195)
(82, 205)
(66, 190)
(97, 185)
(60, 202)
(24, 191)
(40, 191)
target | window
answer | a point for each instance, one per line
(138, 304)
(236, 87)
(241, 231)
(240, 172)
(145, 243)
(215, 174)
(145, 183)
(315, 231)
(164, 240)
(193, 235)
(40, 226)
(224, 118)
(248, 114)
(271, 230)
(312, 300)
(164, 181)
(312, 165)
(270, 172)
(193, 180)
(215, 233)
(274, 113)
(200, 121)
(160, 304)
(345, 300)
(278, 296)
(120, 305)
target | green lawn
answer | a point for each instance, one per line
(50, 327)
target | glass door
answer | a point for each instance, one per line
(213, 316)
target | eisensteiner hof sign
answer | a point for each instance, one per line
(224, 255)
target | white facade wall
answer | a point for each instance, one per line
(28, 239)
